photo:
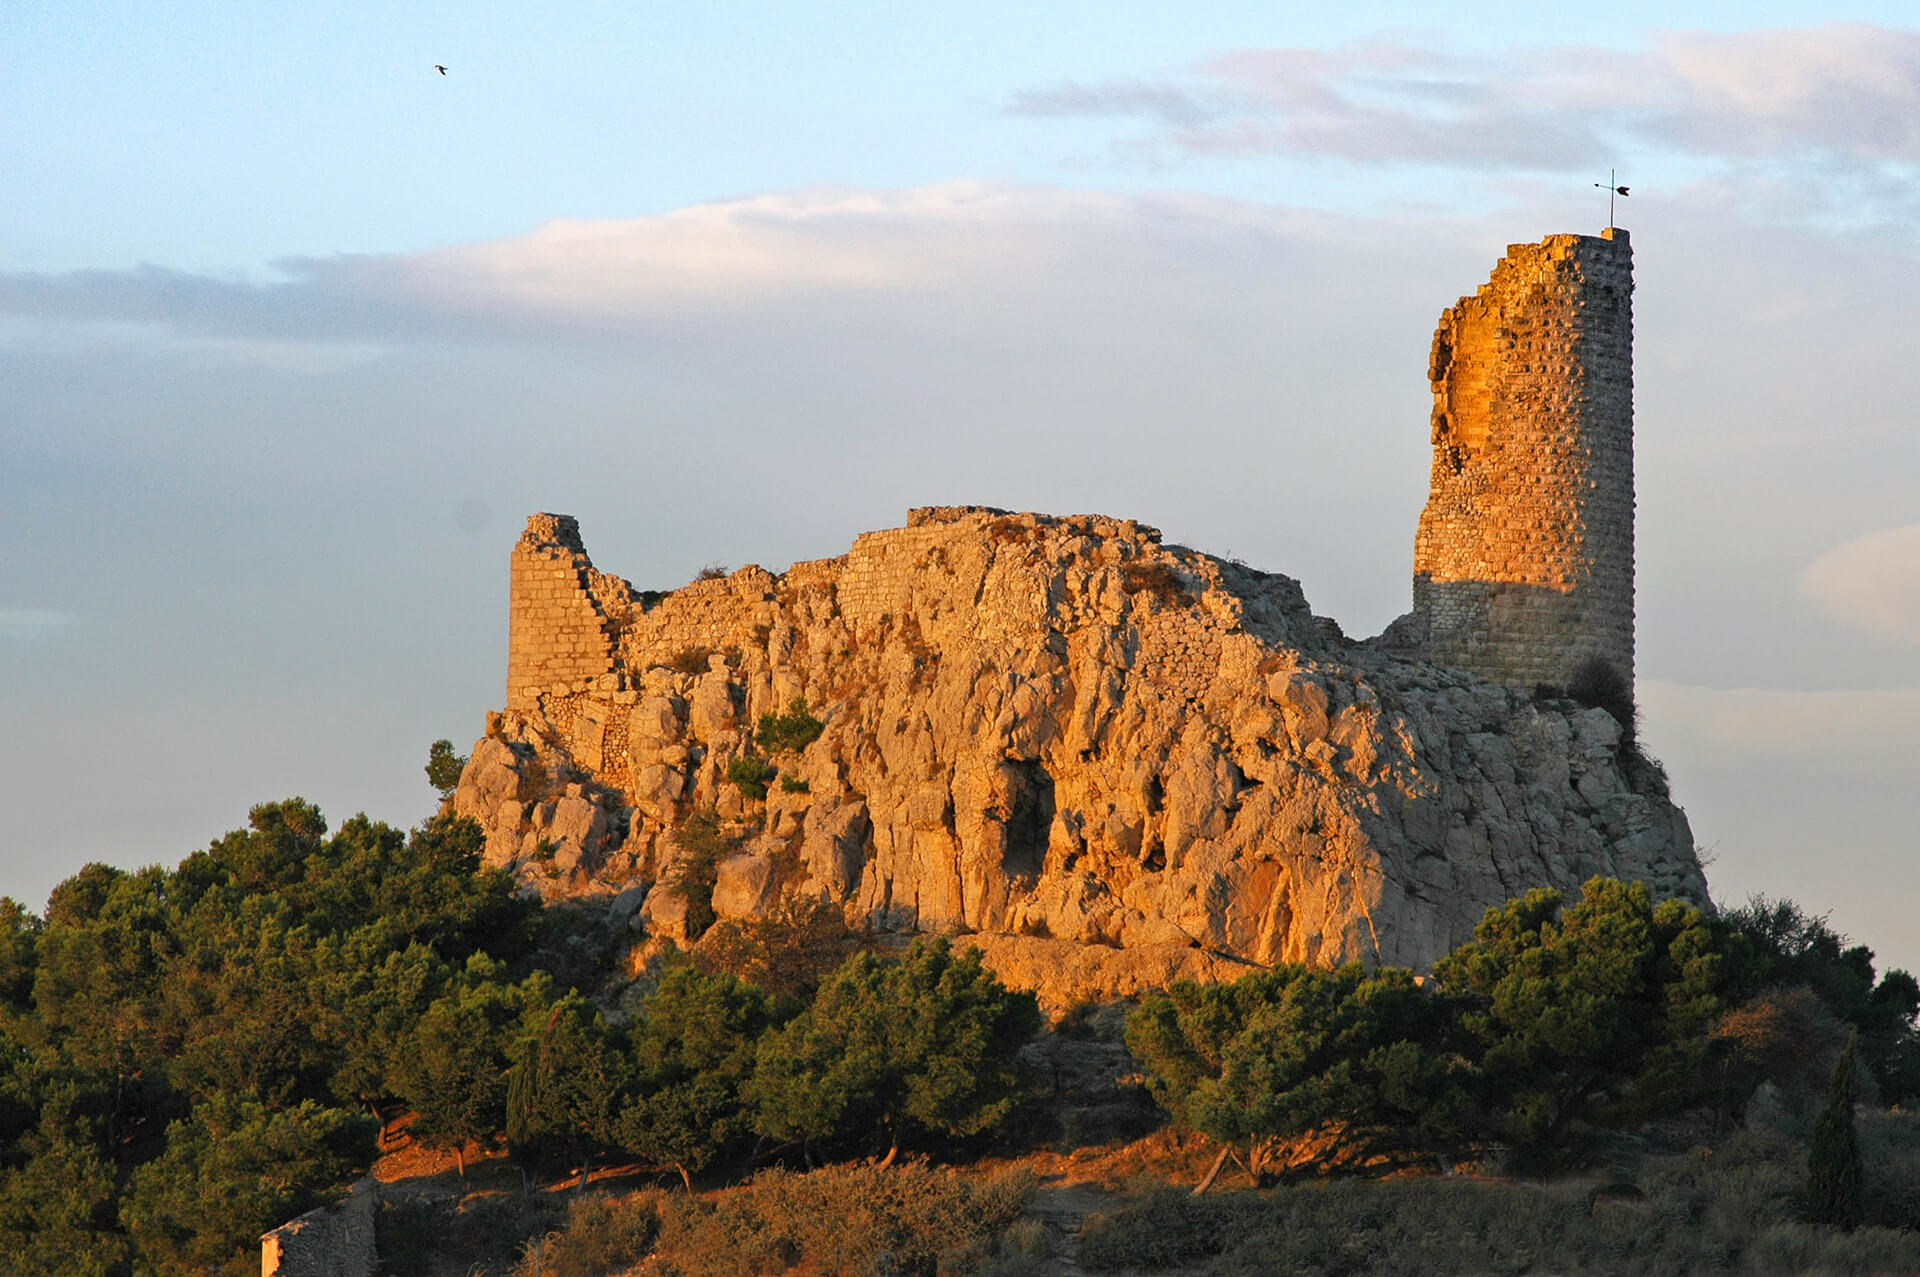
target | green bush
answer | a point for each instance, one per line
(1594, 1014)
(1170, 1228)
(795, 730)
(788, 785)
(233, 1169)
(750, 776)
(704, 846)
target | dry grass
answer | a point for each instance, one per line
(1736, 1209)
(856, 1220)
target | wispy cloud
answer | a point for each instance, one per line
(768, 258)
(1842, 97)
(1871, 583)
(1165, 102)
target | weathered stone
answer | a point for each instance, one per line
(1523, 563)
(329, 1241)
(741, 886)
(1093, 752)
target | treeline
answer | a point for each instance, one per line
(1556, 1021)
(189, 1057)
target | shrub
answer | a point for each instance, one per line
(857, 1220)
(786, 954)
(1008, 530)
(1157, 580)
(1451, 1228)
(750, 775)
(704, 846)
(795, 730)
(1787, 947)
(1168, 1229)
(788, 785)
(715, 571)
(690, 660)
(1599, 684)
(232, 1169)
(601, 1235)
(477, 1236)
(1890, 1158)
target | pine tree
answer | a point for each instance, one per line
(1833, 1164)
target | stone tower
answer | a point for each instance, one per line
(559, 635)
(1523, 564)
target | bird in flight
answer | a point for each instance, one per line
(442, 70)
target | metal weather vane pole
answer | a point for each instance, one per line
(1612, 191)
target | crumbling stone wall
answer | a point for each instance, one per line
(332, 1241)
(1523, 562)
(559, 630)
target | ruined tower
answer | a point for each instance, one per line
(1523, 563)
(559, 636)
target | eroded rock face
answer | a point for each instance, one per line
(1100, 751)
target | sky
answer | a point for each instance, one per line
(295, 331)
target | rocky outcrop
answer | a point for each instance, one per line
(1112, 761)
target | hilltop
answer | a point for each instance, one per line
(1107, 760)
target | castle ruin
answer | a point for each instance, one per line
(1112, 762)
(1523, 562)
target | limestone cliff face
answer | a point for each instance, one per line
(1109, 761)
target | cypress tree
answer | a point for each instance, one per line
(525, 1124)
(1833, 1164)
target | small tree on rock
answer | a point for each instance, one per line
(444, 768)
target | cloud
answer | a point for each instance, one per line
(1843, 96)
(1167, 103)
(794, 257)
(1871, 583)
(31, 622)
(1816, 725)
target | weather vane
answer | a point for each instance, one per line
(1612, 191)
